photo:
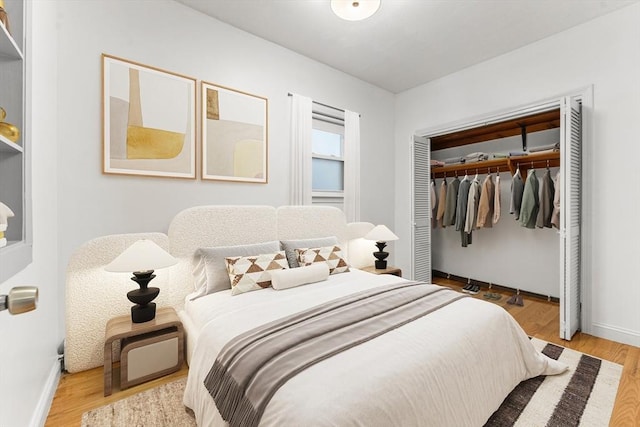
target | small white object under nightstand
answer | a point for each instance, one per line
(148, 350)
(389, 270)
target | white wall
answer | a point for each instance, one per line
(170, 36)
(603, 53)
(506, 254)
(28, 357)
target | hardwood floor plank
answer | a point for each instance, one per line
(83, 391)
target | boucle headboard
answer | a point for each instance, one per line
(93, 296)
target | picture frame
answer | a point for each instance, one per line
(149, 120)
(234, 132)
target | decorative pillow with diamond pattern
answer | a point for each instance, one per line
(332, 255)
(251, 273)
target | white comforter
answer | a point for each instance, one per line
(450, 368)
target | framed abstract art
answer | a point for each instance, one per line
(234, 135)
(149, 120)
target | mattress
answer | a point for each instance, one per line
(452, 367)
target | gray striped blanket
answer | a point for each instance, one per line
(254, 365)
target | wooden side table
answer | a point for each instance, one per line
(389, 270)
(165, 326)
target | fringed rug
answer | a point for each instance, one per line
(583, 396)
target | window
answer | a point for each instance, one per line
(327, 161)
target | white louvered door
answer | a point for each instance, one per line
(421, 209)
(570, 206)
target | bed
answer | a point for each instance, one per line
(452, 367)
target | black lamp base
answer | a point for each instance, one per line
(143, 313)
(143, 310)
(381, 255)
(381, 265)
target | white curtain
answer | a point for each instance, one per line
(352, 166)
(301, 126)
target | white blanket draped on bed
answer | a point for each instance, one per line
(451, 368)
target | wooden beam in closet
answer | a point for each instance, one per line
(533, 123)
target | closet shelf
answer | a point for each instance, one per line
(533, 160)
(504, 129)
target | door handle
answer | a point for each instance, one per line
(20, 299)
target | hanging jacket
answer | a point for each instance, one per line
(547, 194)
(486, 205)
(530, 201)
(555, 216)
(451, 204)
(434, 203)
(496, 201)
(517, 188)
(442, 200)
(473, 201)
(461, 210)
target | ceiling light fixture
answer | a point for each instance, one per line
(355, 10)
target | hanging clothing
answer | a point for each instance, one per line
(530, 201)
(461, 210)
(442, 200)
(451, 203)
(547, 193)
(434, 203)
(471, 222)
(555, 215)
(496, 200)
(486, 205)
(517, 188)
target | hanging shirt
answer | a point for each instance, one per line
(517, 188)
(547, 194)
(486, 205)
(451, 204)
(555, 215)
(434, 203)
(496, 201)
(473, 201)
(461, 210)
(442, 200)
(530, 201)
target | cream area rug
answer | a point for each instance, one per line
(583, 396)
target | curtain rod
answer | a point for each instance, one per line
(324, 105)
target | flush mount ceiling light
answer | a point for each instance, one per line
(354, 10)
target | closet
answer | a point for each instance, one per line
(506, 254)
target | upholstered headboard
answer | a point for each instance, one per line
(93, 296)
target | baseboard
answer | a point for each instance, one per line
(46, 397)
(614, 333)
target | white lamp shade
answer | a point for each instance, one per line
(355, 10)
(143, 255)
(381, 233)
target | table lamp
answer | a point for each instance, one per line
(142, 258)
(381, 234)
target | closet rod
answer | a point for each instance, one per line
(324, 105)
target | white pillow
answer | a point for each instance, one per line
(292, 277)
(210, 269)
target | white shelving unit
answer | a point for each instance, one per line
(14, 156)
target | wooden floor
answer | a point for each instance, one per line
(78, 393)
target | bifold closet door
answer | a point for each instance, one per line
(570, 205)
(421, 209)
